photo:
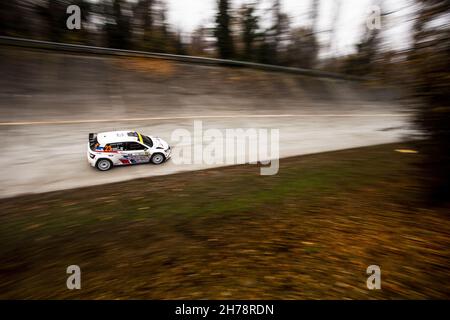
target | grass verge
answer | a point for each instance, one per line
(309, 232)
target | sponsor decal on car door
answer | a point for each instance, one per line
(135, 153)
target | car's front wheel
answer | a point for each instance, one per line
(104, 164)
(157, 158)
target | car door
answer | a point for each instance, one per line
(116, 153)
(135, 153)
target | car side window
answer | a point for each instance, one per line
(119, 146)
(134, 146)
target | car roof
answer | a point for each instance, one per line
(117, 136)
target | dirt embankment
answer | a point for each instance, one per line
(44, 84)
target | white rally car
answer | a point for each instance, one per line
(118, 148)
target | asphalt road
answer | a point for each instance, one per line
(50, 102)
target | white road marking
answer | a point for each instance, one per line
(26, 123)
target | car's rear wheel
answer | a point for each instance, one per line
(157, 158)
(104, 164)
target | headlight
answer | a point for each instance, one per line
(92, 156)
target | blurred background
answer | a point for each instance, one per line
(356, 74)
(332, 35)
(406, 48)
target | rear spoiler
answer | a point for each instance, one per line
(92, 137)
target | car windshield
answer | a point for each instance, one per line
(147, 141)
